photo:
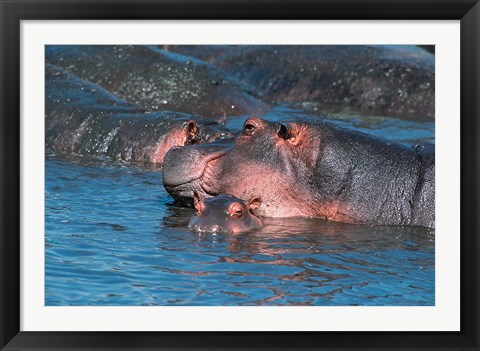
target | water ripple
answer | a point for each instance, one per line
(113, 237)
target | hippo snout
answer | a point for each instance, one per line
(183, 165)
(173, 162)
(224, 214)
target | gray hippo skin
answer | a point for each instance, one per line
(83, 118)
(207, 53)
(225, 214)
(157, 79)
(310, 169)
(394, 80)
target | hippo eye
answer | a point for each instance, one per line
(282, 131)
(249, 128)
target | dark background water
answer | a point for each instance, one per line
(113, 237)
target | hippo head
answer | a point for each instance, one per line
(225, 214)
(272, 160)
(188, 132)
(308, 169)
(204, 130)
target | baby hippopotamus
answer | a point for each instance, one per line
(225, 214)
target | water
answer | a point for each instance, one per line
(113, 237)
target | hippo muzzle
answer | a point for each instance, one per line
(184, 168)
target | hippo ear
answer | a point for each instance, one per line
(254, 203)
(282, 131)
(197, 202)
(289, 133)
(191, 130)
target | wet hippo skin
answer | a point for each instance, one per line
(157, 79)
(81, 117)
(207, 53)
(225, 214)
(313, 170)
(392, 80)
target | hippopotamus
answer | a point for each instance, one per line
(81, 117)
(207, 53)
(310, 169)
(394, 80)
(157, 79)
(225, 214)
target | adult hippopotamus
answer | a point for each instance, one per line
(310, 169)
(397, 80)
(157, 79)
(207, 53)
(225, 214)
(81, 117)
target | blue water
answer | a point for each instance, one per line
(113, 237)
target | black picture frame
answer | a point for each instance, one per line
(13, 11)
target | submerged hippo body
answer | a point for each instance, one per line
(310, 169)
(81, 117)
(225, 214)
(157, 79)
(207, 53)
(397, 80)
